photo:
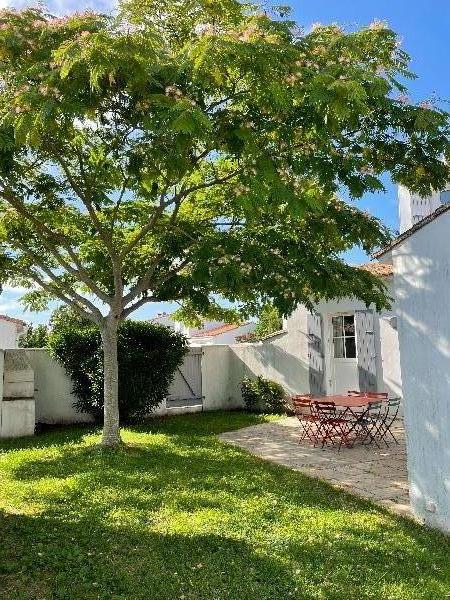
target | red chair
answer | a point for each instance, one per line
(306, 414)
(331, 425)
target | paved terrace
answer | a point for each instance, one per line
(377, 474)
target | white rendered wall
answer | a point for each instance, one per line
(413, 208)
(53, 390)
(17, 406)
(422, 287)
(8, 334)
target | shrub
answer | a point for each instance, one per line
(148, 357)
(262, 395)
(36, 336)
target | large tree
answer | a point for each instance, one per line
(194, 149)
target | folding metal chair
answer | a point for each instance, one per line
(306, 414)
(331, 425)
(388, 419)
(369, 423)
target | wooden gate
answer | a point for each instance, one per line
(186, 388)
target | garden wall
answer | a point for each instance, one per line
(41, 391)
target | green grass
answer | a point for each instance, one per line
(178, 514)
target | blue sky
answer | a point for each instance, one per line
(424, 28)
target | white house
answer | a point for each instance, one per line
(347, 346)
(211, 332)
(10, 331)
(420, 258)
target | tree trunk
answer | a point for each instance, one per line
(111, 434)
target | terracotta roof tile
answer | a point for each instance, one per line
(213, 331)
(380, 269)
(12, 320)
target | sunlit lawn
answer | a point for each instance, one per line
(178, 514)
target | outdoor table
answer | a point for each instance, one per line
(344, 401)
(349, 404)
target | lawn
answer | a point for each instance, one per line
(177, 514)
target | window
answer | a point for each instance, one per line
(344, 338)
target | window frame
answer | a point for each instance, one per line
(343, 337)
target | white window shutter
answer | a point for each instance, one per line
(315, 354)
(365, 343)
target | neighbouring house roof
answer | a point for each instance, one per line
(412, 230)
(379, 269)
(12, 320)
(215, 331)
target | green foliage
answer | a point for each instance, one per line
(148, 356)
(179, 513)
(262, 395)
(65, 318)
(193, 150)
(269, 322)
(36, 336)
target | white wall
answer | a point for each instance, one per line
(8, 334)
(53, 390)
(283, 358)
(219, 386)
(422, 287)
(413, 208)
(17, 406)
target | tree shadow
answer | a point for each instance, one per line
(87, 560)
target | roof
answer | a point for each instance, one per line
(379, 269)
(214, 331)
(12, 320)
(412, 230)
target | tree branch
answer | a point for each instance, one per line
(57, 280)
(81, 311)
(45, 234)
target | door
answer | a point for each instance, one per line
(344, 361)
(186, 387)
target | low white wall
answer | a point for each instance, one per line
(279, 358)
(17, 418)
(53, 390)
(218, 384)
(17, 406)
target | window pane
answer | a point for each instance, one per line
(339, 348)
(349, 325)
(337, 327)
(350, 347)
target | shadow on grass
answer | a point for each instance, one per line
(84, 560)
(184, 515)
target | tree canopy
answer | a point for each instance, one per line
(195, 149)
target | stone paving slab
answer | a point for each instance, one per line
(376, 474)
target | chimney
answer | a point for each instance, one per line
(413, 208)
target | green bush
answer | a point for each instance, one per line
(148, 357)
(262, 395)
(36, 336)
